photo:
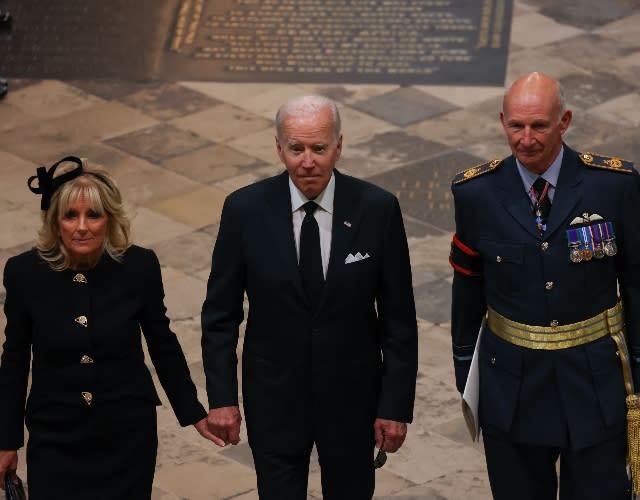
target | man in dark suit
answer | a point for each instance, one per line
(5, 25)
(544, 238)
(330, 348)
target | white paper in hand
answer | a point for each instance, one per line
(471, 394)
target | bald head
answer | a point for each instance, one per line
(533, 89)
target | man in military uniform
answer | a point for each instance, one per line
(547, 246)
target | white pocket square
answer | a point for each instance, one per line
(356, 258)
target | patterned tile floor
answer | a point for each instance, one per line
(177, 149)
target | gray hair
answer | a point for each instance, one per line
(561, 99)
(306, 105)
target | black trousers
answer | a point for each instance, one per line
(345, 475)
(526, 472)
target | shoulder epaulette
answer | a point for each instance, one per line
(612, 163)
(476, 171)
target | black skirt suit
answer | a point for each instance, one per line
(91, 407)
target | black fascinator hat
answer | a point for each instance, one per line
(47, 185)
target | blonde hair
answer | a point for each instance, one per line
(103, 196)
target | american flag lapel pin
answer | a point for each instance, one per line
(347, 223)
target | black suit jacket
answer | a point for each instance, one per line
(571, 396)
(311, 375)
(118, 299)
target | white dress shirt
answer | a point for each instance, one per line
(323, 214)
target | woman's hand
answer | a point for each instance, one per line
(9, 462)
(203, 428)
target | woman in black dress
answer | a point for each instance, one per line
(78, 302)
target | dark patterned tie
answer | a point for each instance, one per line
(310, 257)
(542, 206)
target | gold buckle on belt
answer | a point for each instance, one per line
(557, 337)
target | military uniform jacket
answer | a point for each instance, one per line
(84, 331)
(569, 397)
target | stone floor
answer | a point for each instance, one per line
(177, 149)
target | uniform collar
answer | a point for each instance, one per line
(550, 175)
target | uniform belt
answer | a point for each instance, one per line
(608, 322)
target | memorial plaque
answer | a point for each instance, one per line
(461, 42)
(70, 39)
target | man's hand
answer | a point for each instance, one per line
(224, 425)
(389, 434)
(8, 461)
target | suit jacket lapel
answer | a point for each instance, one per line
(567, 193)
(515, 200)
(280, 220)
(345, 209)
